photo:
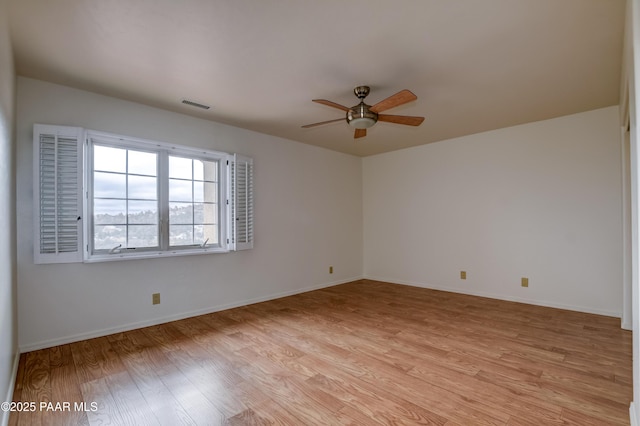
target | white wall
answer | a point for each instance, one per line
(308, 213)
(540, 200)
(8, 309)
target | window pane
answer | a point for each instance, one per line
(106, 212)
(144, 188)
(198, 234)
(198, 170)
(198, 213)
(143, 163)
(205, 191)
(143, 212)
(108, 159)
(109, 185)
(180, 168)
(180, 235)
(109, 236)
(205, 170)
(143, 236)
(180, 190)
(203, 232)
(210, 214)
(205, 214)
(180, 213)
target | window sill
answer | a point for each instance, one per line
(97, 258)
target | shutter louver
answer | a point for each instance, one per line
(58, 194)
(242, 203)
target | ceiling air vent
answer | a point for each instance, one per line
(195, 104)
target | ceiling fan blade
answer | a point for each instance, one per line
(360, 133)
(401, 119)
(402, 97)
(331, 104)
(306, 126)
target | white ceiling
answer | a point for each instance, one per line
(474, 65)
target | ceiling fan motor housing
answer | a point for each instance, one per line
(361, 117)
(361, 92)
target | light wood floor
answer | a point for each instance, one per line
(364, 353)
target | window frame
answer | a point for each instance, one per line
(163, 150)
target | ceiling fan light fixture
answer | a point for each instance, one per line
(362, 122)
(361, 117)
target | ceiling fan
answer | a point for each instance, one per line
(363, 116)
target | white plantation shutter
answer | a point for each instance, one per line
(241, 203)
(58, 178)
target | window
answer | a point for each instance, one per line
(193, 201)
(149, 198)
(141, 198)
(125, 199)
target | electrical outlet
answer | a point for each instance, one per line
(331, 269)
(463, 275)
(524, 282)
(155, 298)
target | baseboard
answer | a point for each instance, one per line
(141, 324)
(500, 297)
(4, 419)
(633, 415)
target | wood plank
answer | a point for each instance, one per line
(129, 401)
(158, 397)
(93, 360)
(14, 417)
(211, 382)
(305, 402)
(107, 412)
(36, 386)
(195, 404)
(247, 417)
(65, 388)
